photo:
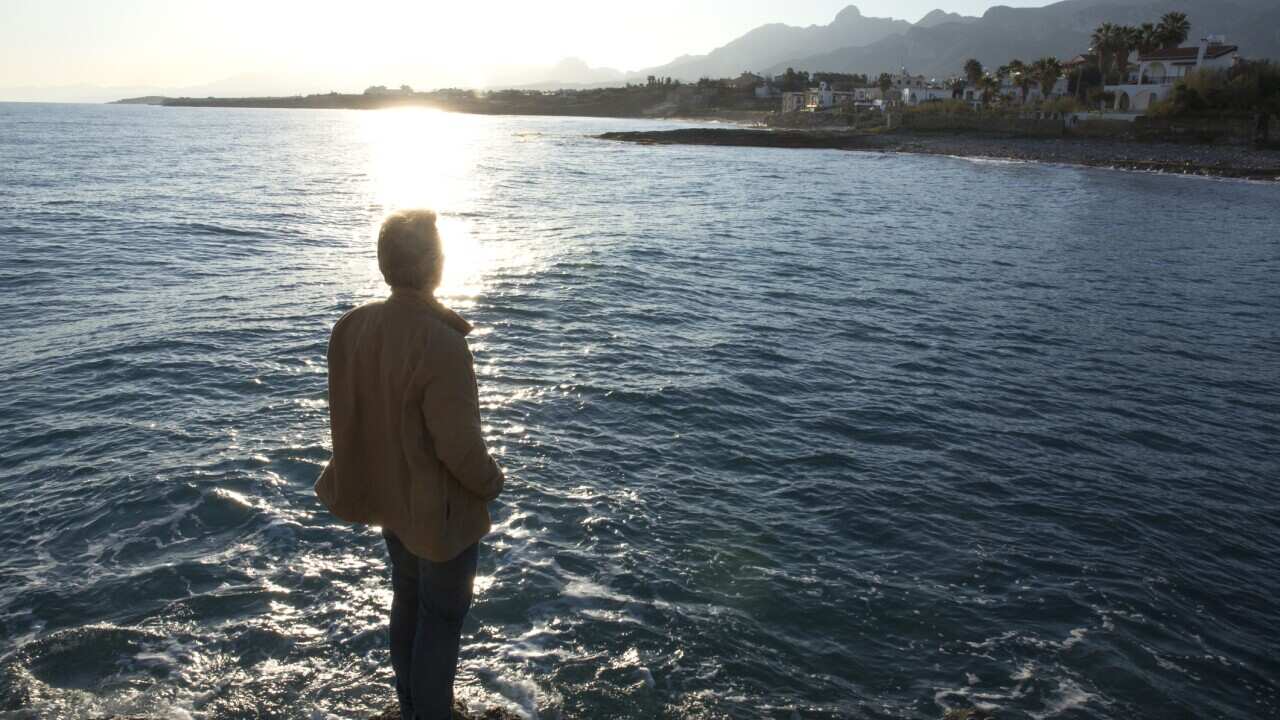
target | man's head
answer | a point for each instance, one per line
(409, 253)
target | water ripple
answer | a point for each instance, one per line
(790, 434)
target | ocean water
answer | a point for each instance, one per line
(789, 434)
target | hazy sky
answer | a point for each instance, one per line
(351, 43)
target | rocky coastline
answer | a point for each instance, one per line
(1226, 161)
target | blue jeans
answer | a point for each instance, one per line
(430, 601)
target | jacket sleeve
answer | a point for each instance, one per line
(451, 411)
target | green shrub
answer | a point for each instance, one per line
(946, 107)
(1248, 87)
(1098, 96)
(1062, 105)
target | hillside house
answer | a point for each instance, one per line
(1153, 76)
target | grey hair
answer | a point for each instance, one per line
(409, 253)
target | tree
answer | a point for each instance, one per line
(1086, 78)
(1148, 38)
(1102, 98)
(973, 71)
(840, 81)
(956, 85)
(1020, 74)
(990, 88)
(1248, 87)
(793, 81)
(1173, 29)
(1104, 43)
(1127, 39)
(884, 83)
(1004, 72)
(1047, 71)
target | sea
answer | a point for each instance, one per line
(788, 433)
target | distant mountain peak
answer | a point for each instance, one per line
(849, 14)
(768, 44)
(942, 17)
(996, 11)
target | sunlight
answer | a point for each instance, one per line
(423, 158)
(466, 261)
(419, 157)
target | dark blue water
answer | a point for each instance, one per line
(790, 434)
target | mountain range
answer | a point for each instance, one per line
(936, 46)
(771, 44)
(939, 43)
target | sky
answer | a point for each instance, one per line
(349, 44)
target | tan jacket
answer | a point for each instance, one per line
(408, 452)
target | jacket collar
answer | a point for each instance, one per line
(424, 297)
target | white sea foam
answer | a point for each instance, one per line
(1068, 695)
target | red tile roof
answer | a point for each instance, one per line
(1188, 53)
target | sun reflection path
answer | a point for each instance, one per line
(420, 158)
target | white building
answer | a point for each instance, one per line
(917, 95)
(766, 90)
(867, 95)
(904, 79)
(1155, 73)
(793, 101)
(824, 98)
(1012, 89)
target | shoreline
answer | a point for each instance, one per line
(632, 103)
(741, 118)
(1223, 161)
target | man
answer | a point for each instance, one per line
(409, 455)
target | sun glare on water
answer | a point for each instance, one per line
(421, 158)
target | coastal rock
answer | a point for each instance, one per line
(1227, 161)
(745, 137)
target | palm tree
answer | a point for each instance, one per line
(1149, 38)
(1004, 72)
(1103, 42)
(1021, 76)
(1047, 71)
(973, 71)
(1126, 41)
(1173, 29)
(989, 86)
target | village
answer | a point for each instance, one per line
(1145, 82)
(1139, 98)
(1128, 72)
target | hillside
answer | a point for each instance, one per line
(1061, 29)
(774, 43)
(941, 17)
